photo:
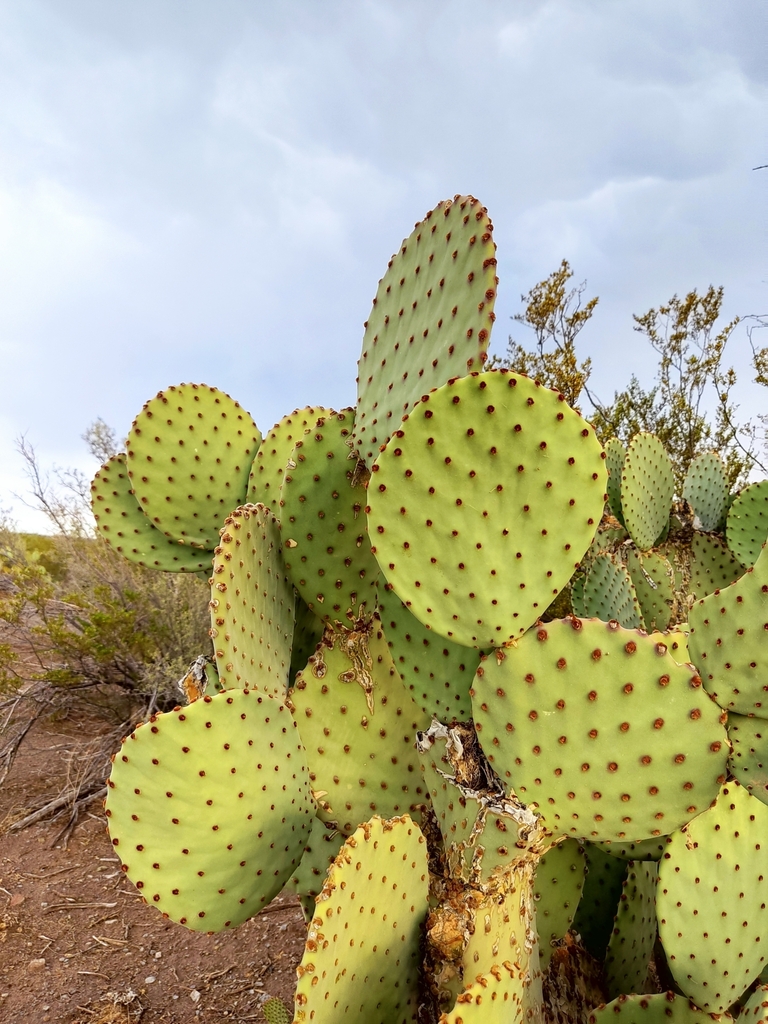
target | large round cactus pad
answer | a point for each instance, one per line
(706, 490)
(209, 808)
(647, 487)
(362, 957)
(190, 450)
(727, 642)
(358, 724)
(601, 729)
(749, 759)
(659, 1008)
(712, 897)
(252, 603)
(324, 528)
(268, 469)
(121, 522)
(482, 504)
(747, 523)
(431, 318)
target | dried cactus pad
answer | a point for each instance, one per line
(706, 490)
(252, 603)
(431, 318)
(747, 523)
(749, 759)
(123, 525)
(647, 487)
(190, 450)
(209, 808)
(712, 898)
(268, 469)
(482, 504)
(362, 956)
(324, 527)
(358, 724)
(659, 1008)
(727, 641)
(601, 729)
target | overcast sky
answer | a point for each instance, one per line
(210, 192)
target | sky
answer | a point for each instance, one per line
(211, 192)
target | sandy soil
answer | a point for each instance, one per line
(78, 946)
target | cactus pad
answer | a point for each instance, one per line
(324, 530)
(755, 1009)
(713, 567)
(268, 468)
(123, 525)
(601, 729)
(652, 577)
(252, 603)
(437, 672)
(361, 960)
(322, 848)
(481, 506)
(712, 897)
(557, 889)
(749, 759)
(647, 487)
(431, 318)
(599, 900)
(634, 931)
(190, 450)
(615, 453)
(358, 724)
(610, 594)
(209, 808)
(747, 523)
(659, 1008)
(727, 641)
(706, 491)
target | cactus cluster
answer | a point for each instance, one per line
(491, 699)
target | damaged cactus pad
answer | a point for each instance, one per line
(491, 696)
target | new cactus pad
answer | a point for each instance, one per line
(492, 696)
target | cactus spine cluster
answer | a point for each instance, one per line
(490, 699)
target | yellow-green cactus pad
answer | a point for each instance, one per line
(601, 729)
(431, 318)
(483, 503)
(712, 900)
(252, 603)
(362, 956)
(190, 451)
(209, 808)
(121, 522)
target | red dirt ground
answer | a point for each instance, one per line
(77, 945)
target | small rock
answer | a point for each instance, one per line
(194, 995)
(17, 899)
(36, 965)
(149, 980)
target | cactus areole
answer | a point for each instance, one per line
(488, 698)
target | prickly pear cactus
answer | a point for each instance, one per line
(492, 698)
